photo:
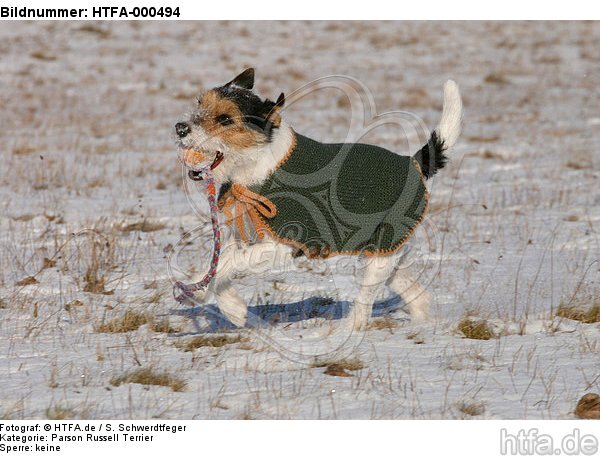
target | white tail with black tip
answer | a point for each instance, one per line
(432, 155)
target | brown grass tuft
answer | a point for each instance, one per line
(416, 337)
(43, 55)
(579, 313)
(588, 407)
(577, 164)
(163, 326)
(48, 263)
(147, 376)
(488, 154)
(130, 321)
(471, 408)
(475, 329)
(206, 341)
(383, 323)
(94, 283)
(496, 78)
(24, 217)
(23, 150)
(59, 413)
(144, 226)
(100, 32)
(344, 364)
(101, 259)
(27, 281)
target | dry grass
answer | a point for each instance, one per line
(27, 281)
(208, 341)
(579, 313)
(163, 326)
(47, 263)
(100, 32)
(73, 304)
(24, 217)
(95, 283)
(496, 78)
(475, 329)
(491, 155)
(383, 323)
(583, 306)
(144, 226)
(147, 376)
(416, 337)
(130, 321)
(339, 368)
(43, 55)
(578, 164)
(351, 364)
(24, 150)
(155, 298)
(471, 408)
(588, 407)
(483, 139)
(59, 413)
(102, 258)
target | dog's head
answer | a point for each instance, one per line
(228, 122)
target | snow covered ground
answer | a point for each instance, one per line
(90, 182)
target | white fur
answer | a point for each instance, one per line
(449, 127)
(254, 165)
(415, 295)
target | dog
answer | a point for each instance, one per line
(286, 195)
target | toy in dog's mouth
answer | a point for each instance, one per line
(195, 159)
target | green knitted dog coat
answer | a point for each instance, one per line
(336, 199)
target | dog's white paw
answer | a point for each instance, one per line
(233, 307)
(237, 320)
(356, 321)
(418, 307)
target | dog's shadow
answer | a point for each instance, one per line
(275, 314)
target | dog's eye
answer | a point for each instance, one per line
(224, 119)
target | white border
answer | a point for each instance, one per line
(364, 10)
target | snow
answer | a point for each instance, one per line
(87, 149)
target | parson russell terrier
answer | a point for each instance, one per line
(286, 195)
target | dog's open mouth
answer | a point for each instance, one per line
(195, 175)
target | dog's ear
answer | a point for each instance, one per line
(273, 110)
(245, 79)
(280, 101)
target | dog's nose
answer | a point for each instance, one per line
(182, 129)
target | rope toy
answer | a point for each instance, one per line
(204, 175)
(246, 202)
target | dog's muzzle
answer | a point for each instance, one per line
(196, 175)
(182, 129)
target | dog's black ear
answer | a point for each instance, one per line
(245, 79)
(280, 101)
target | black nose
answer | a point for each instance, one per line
(182, 129)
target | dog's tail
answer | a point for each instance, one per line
(432, 155)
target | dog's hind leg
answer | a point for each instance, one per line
(376, 272)
(417, 297)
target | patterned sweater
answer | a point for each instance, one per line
(333, 199)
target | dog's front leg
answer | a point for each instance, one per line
(229, 301)
(249, 259)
